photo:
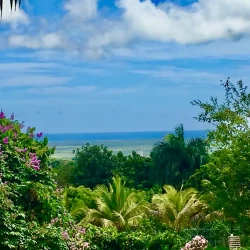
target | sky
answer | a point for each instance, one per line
(70, 66)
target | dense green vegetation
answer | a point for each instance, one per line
(112, 201)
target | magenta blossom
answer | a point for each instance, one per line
(39, 135)
(34, 162)
(6, 140)
(12, 117)
(2, 115)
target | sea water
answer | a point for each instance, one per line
(126, 142)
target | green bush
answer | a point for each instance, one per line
(110, 239)
(32, 215)
(168, 240)
(102, 238)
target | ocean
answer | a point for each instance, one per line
(141, 142)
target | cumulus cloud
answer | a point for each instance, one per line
(93, 34)
(202, 21)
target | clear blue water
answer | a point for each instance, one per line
(120, 136)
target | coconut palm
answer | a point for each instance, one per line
(175, 159)
(13, 3)
(177, 208)
(116, 206)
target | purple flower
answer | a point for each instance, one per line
(39, 135)
(12, 117)
(34, 162)
(2, 115)
(6, 140)
(21, 125)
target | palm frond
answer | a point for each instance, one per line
(116, 206)
(177, 208)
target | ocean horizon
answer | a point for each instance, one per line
(119, 136)
(125, 142)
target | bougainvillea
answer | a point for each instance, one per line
(197, 243)
(31, 212)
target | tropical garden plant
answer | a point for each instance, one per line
(177, 208)
(116, 206)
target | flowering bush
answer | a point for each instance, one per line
(197, 243)
(31, 212)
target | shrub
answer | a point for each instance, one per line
(29, 201)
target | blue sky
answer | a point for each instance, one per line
(126, 65)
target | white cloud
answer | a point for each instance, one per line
(81, 9)
(13, 17)
(45, 41)
(86, 31)
(200, 22)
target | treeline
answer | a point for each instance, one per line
(171, 161)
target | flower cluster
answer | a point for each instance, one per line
(20, 150)
(4, 129)
(34, 162)
(75, 239)
(197, 243)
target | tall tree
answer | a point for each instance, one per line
(94, 165)
(116, 206)
(177, 208)
(228, 172)
(175, 159)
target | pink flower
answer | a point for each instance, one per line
(65, 235)
(6, 140)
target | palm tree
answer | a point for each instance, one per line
(116, 206)
(12, 2)
(177, 208)
(175, 159)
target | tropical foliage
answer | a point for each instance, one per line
(177, 208)
(116, 206)
(175, 159)
(103, 200)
